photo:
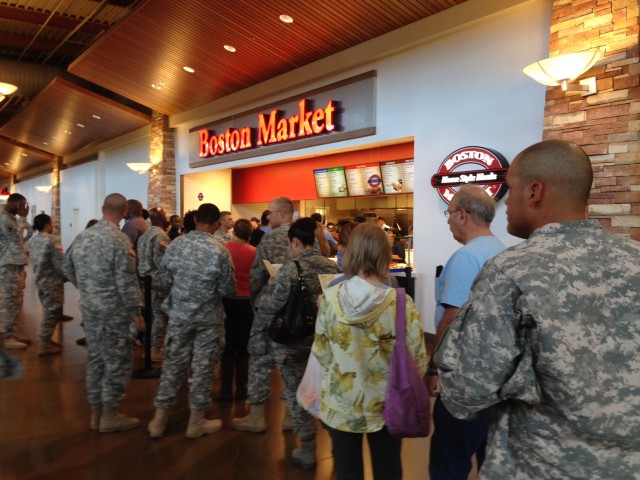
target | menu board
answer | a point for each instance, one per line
(364, 179)
(330, 182)
(397, 176)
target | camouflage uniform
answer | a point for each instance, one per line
(12, 261)
(292, 358)
(551, 336)
(46, 258)
(198, 271)
(274, 247)
(102, 265)
(222, 237)
(151, 247)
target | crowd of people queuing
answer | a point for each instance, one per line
(538, 346)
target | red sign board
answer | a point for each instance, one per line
(472, 166)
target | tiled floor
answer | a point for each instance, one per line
(44, 427)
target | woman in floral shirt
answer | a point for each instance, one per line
(355, 335)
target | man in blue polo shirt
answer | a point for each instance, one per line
(454, 442)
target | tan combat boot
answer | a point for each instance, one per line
(112, 421)
(254, 422)
(157, 425)
(199, 426)
(96, 412)
(48, 348)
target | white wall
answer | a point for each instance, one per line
(118, 178)
(215, 188)
(40, 202)
(78, 186)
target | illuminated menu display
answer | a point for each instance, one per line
(397, 176)
(364, 179)
(330, 182)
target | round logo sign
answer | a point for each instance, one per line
(479, 166)
(200, 196)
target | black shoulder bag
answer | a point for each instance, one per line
(297, 319)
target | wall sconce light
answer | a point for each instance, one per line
(44, 188)
(141, 168)
(6, 89)
(563, 69)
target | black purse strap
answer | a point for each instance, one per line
(303, 286)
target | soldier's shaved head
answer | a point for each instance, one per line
(114, 204)
(562, 166)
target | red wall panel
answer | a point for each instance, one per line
(295, 179)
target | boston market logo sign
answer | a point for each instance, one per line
(478, 166)
(272, 128)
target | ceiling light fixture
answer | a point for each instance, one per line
(44, 188)
(6, 89)
(157, 86)
(229, 48)
(286, 18)
(80, 125)
(188, 69)
(97, 117)
(563, 69)
(141, 168)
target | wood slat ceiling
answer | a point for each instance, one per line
(152, 45)
(52, 121)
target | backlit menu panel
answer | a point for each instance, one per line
(397, 176)
(364, 179)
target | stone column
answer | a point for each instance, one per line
(607, 124)
(162, 174)
(55, 192)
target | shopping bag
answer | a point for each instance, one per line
(308, 393)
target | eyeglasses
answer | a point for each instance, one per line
(448, 213)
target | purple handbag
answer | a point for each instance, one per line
(407, 411)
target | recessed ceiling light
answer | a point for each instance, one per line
(6, 163)
(286, 18)
(157, 86)
(97, 117)
(188, 69)
(45, 143)
(24, 155)
(80, 125)
(229, 48)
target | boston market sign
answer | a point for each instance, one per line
(478, 166)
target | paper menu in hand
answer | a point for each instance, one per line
(327, 278)
(272, 268)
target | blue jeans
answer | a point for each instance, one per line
(454, 442)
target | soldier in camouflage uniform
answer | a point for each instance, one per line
(12, 261)
(101, 263)
(274, 247)
(151, 247)
(46, 258)
(226, 224)
(551, 335)
(292, 358)
(198, 270)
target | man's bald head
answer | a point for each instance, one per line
(114, 205)
(563, 167)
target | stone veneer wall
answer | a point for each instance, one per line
(162, 175)
(55, 193)
(607, 124)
